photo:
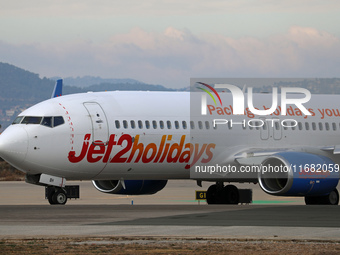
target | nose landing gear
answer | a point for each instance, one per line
(57, 196)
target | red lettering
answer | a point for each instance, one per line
(197, 155)
(109, 148)
(208, 153)
(136, 146)
(166, 149)
(290, 111)
(93, 151)
(178, 147)
(160, 149)
(227, 111)
(150, 146)
(172, 153)
(185, 156)
(298, 112)
(72, 154)
(118, 158)
(211, 108)
(220, 111)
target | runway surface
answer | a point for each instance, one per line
(173, 213)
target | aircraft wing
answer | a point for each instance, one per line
(255, 156)
(335, 149)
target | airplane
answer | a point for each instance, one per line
(133, 142)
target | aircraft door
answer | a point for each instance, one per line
(100, 130)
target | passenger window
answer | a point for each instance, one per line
(334, 126)
(207, 125)
(300, 125)
(320, 126)
(184, 124)
(147, 124)
(327, 126)
(57, 121)
(214, 126)
(313, 126)
(192, 124)
(17, 120)
(133, 125)
(125, 124)
(31, 120)
(154, 124)
(200, 125)
(168, 123)
(230, 126)
(117, 124)
(140, 124)
(176, 124)
(161, 124)
(307, 125)
(293, 125)
(47, 121)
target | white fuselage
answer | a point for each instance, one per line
(155, 135)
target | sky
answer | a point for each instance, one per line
(168, 42)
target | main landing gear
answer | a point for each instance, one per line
(220, 194)
(56, 196)
(330, 199)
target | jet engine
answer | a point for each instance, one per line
(298, 174)
(130, 187)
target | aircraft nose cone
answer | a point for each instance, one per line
(14, 144)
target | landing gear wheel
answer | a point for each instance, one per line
(50, 198)
(217, 194)
(310, 200)
(231, 195)
(333, 197)
(59, 197)
(212, 195)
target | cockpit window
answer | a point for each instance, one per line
(53, 121)
(31, 120)
(47, 121)
(17, 120)
(59, 120)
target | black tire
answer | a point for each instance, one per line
(212, 195)
(50, 198)
(231, 195)
(59, 197)
(310, 200)
(333, 197)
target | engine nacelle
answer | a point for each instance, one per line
(132, 187)
(298, 174)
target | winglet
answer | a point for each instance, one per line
(58, 88)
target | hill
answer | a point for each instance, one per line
(21, 89)
(86, 81)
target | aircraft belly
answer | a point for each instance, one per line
(141, 171)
